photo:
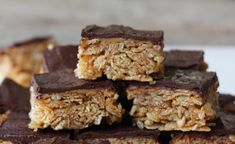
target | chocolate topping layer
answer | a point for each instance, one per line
(227, 102)
(183, 59)
(33, 40)
(116, 132)
(14, 96)
(15, 129)
(30, 41)
(55, 140)
(60, 57)
(61, 81)
(119, 31)
(185, 79)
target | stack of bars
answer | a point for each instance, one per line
(117, 86)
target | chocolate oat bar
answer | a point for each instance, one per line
(21, 60)
(61, 101)
(59, 58)
(185, 59)
(15, 129)
(120, 53)
(222, 133)
(118, 135)
(14, 108)
(13, 96)
(184, 100)
(227, 102)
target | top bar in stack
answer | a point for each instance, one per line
(119, 134)
(61, 101)
(184, 100)
(120, 53)
(185, 59)
(21, 60)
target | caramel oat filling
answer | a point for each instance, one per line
(19, 63)
(119, 59)
(193, 139)
(75, 109)
(124, 140)
(171, 109)
(3, 117)
(232, 138)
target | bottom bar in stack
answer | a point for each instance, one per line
(184, 100)
(118, 135)
(221, 134)
(14, 119)
(61, 101)
(14, 129)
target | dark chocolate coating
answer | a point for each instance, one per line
(118, 131)
(183, 59)
(27, 42)
(184, 79)
(227, 102)
(60, 57)
(56, 140)
(32, 40)
(120, 31)
(15, 129)
(13, 96)
(2, 109)
(61, 81)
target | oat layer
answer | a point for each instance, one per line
(124, 140)
(171, 109)
(203, 138)
(75, 109)
(19, 63)
(119, 59)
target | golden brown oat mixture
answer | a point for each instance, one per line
(19, 63)
(171, 109)
(124, 140)
(3, 117)
(76, 109)
(119, 59)
(187, 139)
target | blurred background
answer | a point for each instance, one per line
(207, 25)
(185, 22)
